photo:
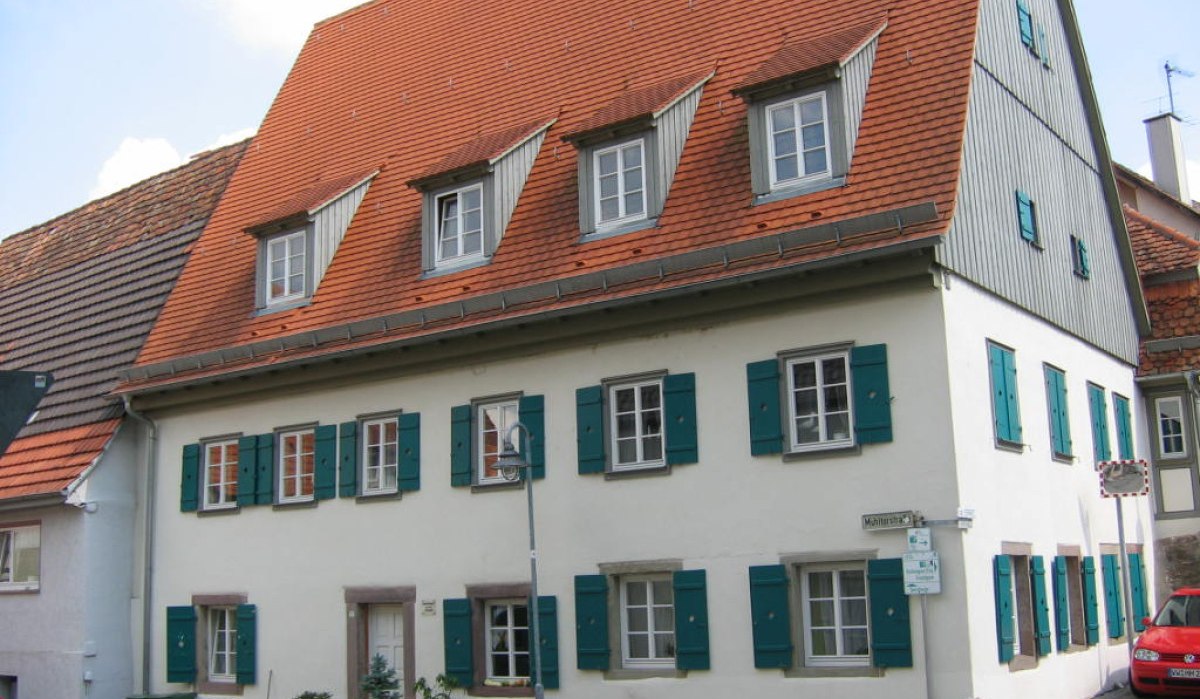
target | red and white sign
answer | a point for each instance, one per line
(1123, 478)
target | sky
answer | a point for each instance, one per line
(95, 96)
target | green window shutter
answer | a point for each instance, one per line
(1026, 217)
(189, 482)
(460, 445)
(456, 624)
(1062, 608)
(531, 411)
(181, 644)
(325, 469)
(1091, 607)
(766, 421)
(1124, 429)
(1041, 606)
(264, 491)
(348, 459)
(1043, 48)
(1111, 572)
(872, 398)
(1006, 637)
(247, 470)
(891, 632)
(548, 631)
(691, 619)
(589, 424)
(1056, 399)
(770, 617)
(410, 451)
(1085, 264)
(591, 622)
(1025, 23)
(1137, 589)
(679, 404)
(1100, 446)
(247, 643)
(1003, 368)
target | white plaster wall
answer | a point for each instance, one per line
(1029, 497)
(41, 634)
(723, 514)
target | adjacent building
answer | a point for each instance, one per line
(757, 279)
(78, 295)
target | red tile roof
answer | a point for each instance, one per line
(805, 54)
(46, 463)
(1158, 247)
(391, 83)
(484, 149)
(638, 104)
(313, 198)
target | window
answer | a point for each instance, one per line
(1022, 609)
(1169, 416)
(1080, 264)
(507, 633)
(1006, 413)
(620, 185)
(380, 456)
(20, 557)
(819, 401)
(1074, 607)
(637, 420)
(1100, 446)
(637, 423)
(835, 615)
(1027, 219)
(1124, 426)
(296, 465)
(647, 621)
(286, 267)
(1060, 417)
(477, 432)
(798, 143)
(823, 398)
(642, 619)
(222, 644)
(460, 225)
(220, 474)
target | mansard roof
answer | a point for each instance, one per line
(78, 295)
(399, 86)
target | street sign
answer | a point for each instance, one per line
(922, 573)
(920, 539)
(1123, 478)
(889, 520)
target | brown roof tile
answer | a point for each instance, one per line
(1158, 247)
(483, 149)
(805, 54)
(309, 200)
(637, 104)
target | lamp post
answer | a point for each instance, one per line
(510, 464)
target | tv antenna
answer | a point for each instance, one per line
(1174, 70)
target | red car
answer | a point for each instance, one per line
(1166, 657)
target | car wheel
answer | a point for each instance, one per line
(1133, 687)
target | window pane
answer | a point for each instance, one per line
(652, 448)
(854, 612)
(608, 186)
(854, 642)
(635, 592)
(664, 645)
(472, 243)
(472, 220)
(822, 613)
(449, 248)
(804, 374)
(470, 199)
(639, 647)
(806, 402)
(627, 451)
(633, 204)
(786, 168)
(824, 642)
(814, 161)
(852, 583)
(837, 426)
(811, 111)
(833, 370)
(663, 593)
(651, 396)
(782, 118)
(820, 584)
(520, 614)
(813, 136)
(625, 400)
(651, 422)
(836, 398)
(807, 431)
(785, 143)
(607, 163)
(636, 619)
(664, 618)
(632, 154)
(627, 425)
(522, 663)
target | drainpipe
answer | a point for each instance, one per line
(147, 537)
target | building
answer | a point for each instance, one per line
(748, 273)
(78, 295)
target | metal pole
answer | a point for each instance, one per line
(536, 640)
(1128, 596)
(925, 644)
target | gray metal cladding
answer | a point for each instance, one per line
(856, 75)
(510, 174)
(672, 129)
(1038, 144)
(330, 225)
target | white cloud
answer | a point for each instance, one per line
(277, 25)
(228, 138)
(135, 160)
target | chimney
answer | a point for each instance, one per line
(1166, 156)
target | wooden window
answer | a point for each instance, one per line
(380, 457)
(798, 140)
(1169, 417)
(637, 424)
(506, 628)
(835, 614)
(296, 465)
(493, 422)
(286, 267)
(460, 225)
(620, 183)
(222, 644)
(647, 621)
(220, 474)
(20, 558)
(819, 402)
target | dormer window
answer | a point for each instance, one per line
(287, 266)
(460, 225)
(799, 143)
(620, 183)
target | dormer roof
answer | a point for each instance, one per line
(638, 105)
(309, 201)
(803, 55)
(481, 152)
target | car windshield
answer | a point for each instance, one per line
(1180, 610)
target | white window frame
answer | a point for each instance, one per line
(290, 259)
(438, 223)
(380, 448)
(295, 470)
(651, 662)
(768, 130)
(214, 629)
(841, 659)
(11, 558)
(640, 437)
(1163, 435)
(228, 457)
(623, 216)
(824, 441)
(510, 633)
(508, 411)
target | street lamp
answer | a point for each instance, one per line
(510, 463)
